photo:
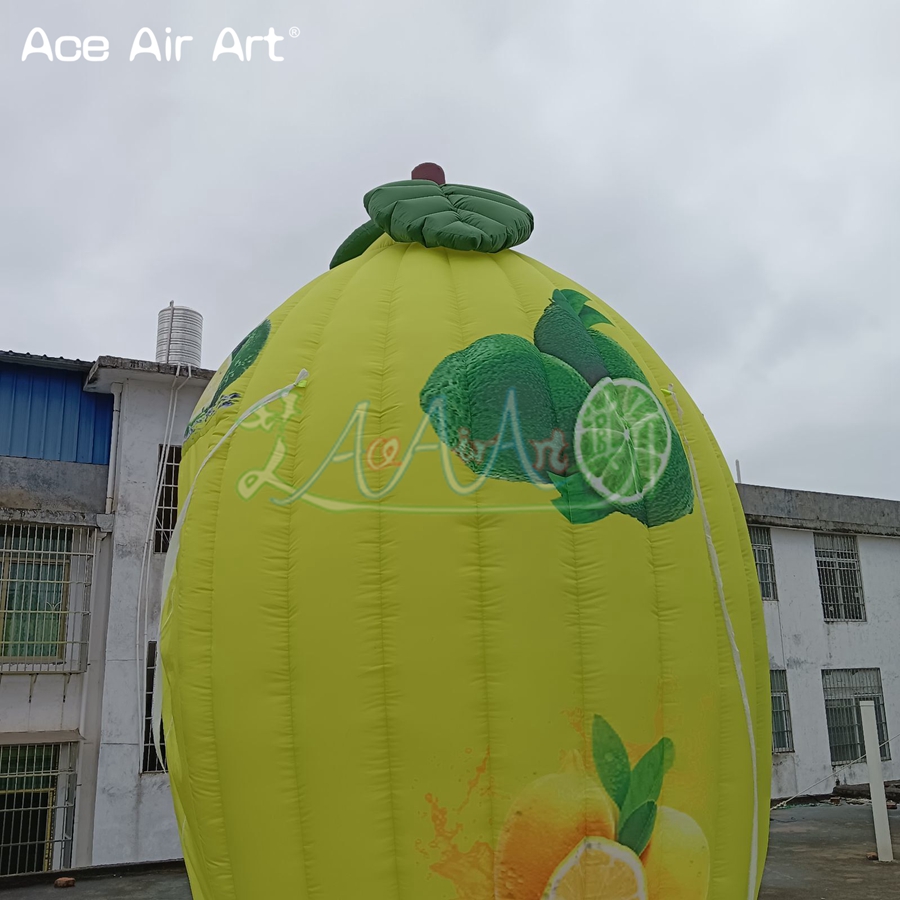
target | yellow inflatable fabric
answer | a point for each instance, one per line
(461, 603)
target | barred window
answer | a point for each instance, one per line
(151, 761)
(840, 580)
(761, 541)
(843, 689)
(45, 586)
(167, 507)
(37, 807)
(782, 732)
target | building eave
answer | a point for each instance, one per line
(109, 370)
(814, 511)
(45, 362)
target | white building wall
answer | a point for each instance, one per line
(134, 819)
(803, 643)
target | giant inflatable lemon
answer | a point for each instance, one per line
(461, 603)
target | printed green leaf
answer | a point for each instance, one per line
(578, 501)
(647, 776)
(636, 830)
(569, 298)
(611, 760)
(589, 316)
(243, 356)
(668, 754)
(577, 302)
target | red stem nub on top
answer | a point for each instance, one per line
(429, 172)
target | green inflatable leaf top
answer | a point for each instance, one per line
(357, 244)
(449, 215)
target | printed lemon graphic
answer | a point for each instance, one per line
(677, 859)
(546, 822)
(622, 439)
(598, 869)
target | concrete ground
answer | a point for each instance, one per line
(160, 885)
(819, 853)
(815, 853)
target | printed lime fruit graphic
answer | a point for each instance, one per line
(580, 400)
(598, 869)
(545, 824)
(472, 388)
(677, 858)
(622, 440)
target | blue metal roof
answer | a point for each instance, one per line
(45, 414)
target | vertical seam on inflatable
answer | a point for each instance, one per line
(661, 694)
(166, 614)
(212, 701)
(175, 544)
(735, 657)
(356, 270)
(499, 260)
(579, 627)
(294, 741)
(298, 780)
(482, 623)
(586, 752)
(384, 666)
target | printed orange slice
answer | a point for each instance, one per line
(598, 869)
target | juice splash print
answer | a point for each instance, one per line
(586, 832)
(471, 871)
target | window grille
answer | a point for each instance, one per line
(37, 807)
(843, 689)
(151, 761)
(167, 507)
(45, 589)
(782, 732)
(840, 580)
(761, 540)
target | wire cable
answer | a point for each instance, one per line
(805, 792)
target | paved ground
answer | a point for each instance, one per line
(819, 853)
(147, 886)
(815, 853)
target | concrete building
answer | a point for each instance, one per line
(89, 454)
(88, 460)
(829, 569)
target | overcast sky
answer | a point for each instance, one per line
(725, 174)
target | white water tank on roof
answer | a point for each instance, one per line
(179, 332)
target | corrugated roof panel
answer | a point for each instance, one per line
(45, 414)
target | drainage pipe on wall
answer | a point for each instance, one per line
(113, 447)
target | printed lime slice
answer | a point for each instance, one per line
(622, 439)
